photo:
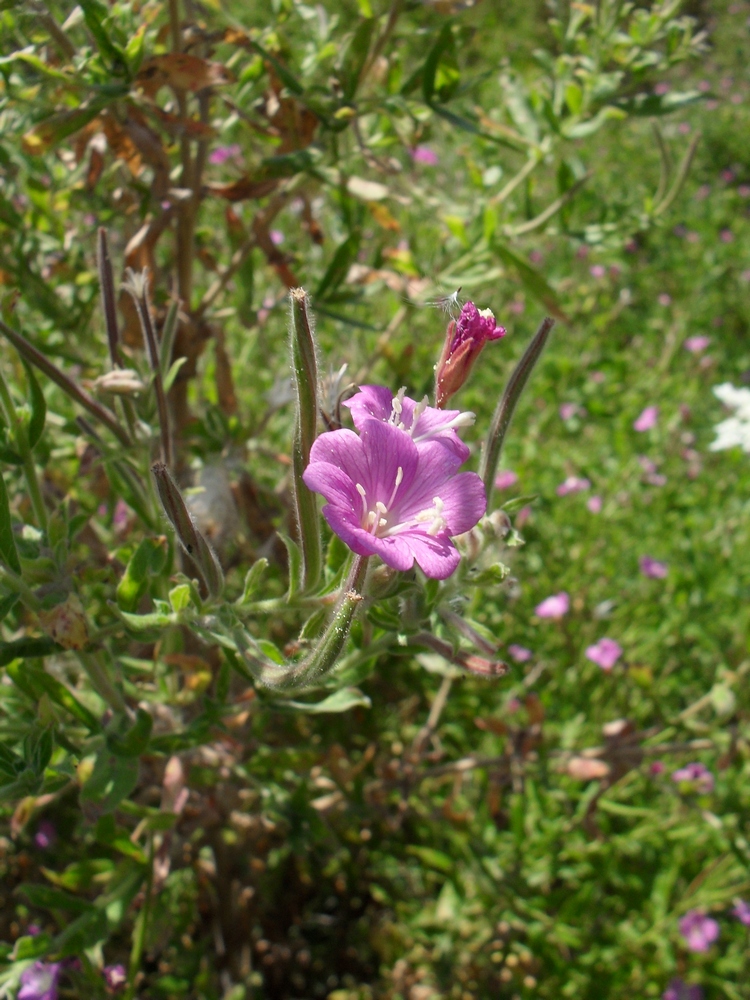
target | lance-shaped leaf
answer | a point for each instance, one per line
(305, 368)
(506, 407)
(8, 553)
(190, 538)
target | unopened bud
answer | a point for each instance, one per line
(464, 341)
(190, 538)
(120, 382)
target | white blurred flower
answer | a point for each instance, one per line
(734, 430)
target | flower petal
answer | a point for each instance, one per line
(371, 401)
(436, 556)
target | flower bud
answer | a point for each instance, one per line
(464, 340)
(66, 624)
(120, 382)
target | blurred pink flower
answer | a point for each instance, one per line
(277, 236)
(696, 345)
(647, 420)
(223, 153)
(745, 275)
(45, 836)
(536, 256)
(424, 155)
(573, 484)
(512, 706)
(523, 516)
(684, 128)
(554, 607)
(598, 377)
(704, 86)
(736, 98)
(39, 981)
(505, 479)
(699, 931)
(517, 306)
(661, 89)
(727, 175)
(631, 246)
(693, 237)
(120, 515)
(597, 270)
(604, 653)
(519, 653)
(744, 190)
(742, 912)
(582, 252)
(568, 410)
(115, 977)
(696, 774)
(712, 105)
(664, 299)
(653, 568)
(726, 236)
(678, 989)
(594, 504)
(658, 767)
(703, 192)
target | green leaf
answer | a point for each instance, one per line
(7, 604)
(287, 78)
(432, 858)
(343, 258)
(179, 597)
(429, 73)
(147, 560)
(168, 333)
(354, 58)
(535, 284)
(517, 502)
(95, 13)
(112, 780)
(582, 129)
(141, 623)
(658, 104)
(31, 947)
(38, 407)
(27, 648)
(34, 682)
(295, 564)
(8, 552)
(339, 701)
(51, 131)
(45, 897)
(252, 580)
(171, 375)
(134, 742)
(80, 875)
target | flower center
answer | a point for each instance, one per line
(375, 517)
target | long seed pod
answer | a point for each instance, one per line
(190, 538)
(506, 407)
(305, 369)
(109, 308)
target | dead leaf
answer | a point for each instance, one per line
(180, 72)
(245, 187)
(383, 217)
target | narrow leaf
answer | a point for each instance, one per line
(8, 552)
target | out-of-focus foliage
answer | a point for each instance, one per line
(412, 832)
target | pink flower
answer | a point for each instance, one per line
(277, 237)
(505, 479)
(697, 775)
(742, 912)
(423, 154)
(45, 836)
(389, 497)
(684, 128)
(536, 256)
(661, 89)
(745, 275)
(604, 653)
(678, 989)
(554, 607)
(727, 175)
(704, 86)
(464, 340)
(597, 271)
(712, 105)
(658, 767)
(519, 653)
(573, 484)
(647, 420)
(664, 299)
(223, 153)
(39, 981)
(726, 236)
(115, 977)
(598, 377)
(736, 98)
(693, 237)
(568, 410)
(703, 192)
(653, 568)
(523, 516)
(517, 306)
(699, 931)
(744, 191)
(696, 345)
(582, 252)
(594, 504)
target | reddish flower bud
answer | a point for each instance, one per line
(464, 340)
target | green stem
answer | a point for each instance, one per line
(16, 583)
(102, 682)
(141, 926)
(35, 492)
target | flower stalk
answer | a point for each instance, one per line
(305, 370)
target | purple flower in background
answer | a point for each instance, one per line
(519, 653)
(505, 478)
(597, 270)
(653, 568)
(422, 422)
(658, 767)
(39, 981)
(726, 236)
(277, 237)
(573, 484)
(464, 340)
(45, 836)
(568, 410)
(699, 931)
(424, 155)
(594, 504)
(703, 192)
(696, 345)
(554, 607)
(742, 912)
(390, 498)
(604, 653)
(536, 256)
(664, 299)
(679, 990)
(696, 774)
(115, 977)
(647, 419)
(661, 89)
(744, 191)
(223, 153)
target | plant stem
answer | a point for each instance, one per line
(102, 682)
(139, 937)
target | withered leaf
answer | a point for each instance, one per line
(245, 187)
(181, 72)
